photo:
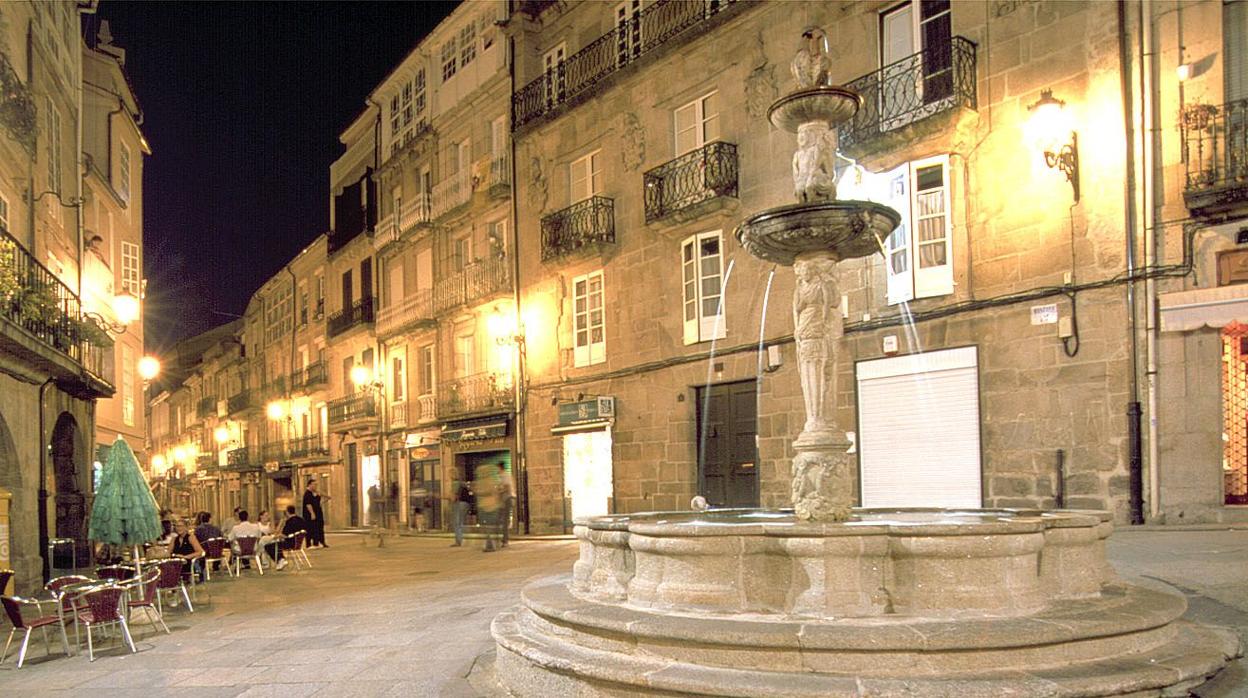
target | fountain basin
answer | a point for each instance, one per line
(825, 103)
(847, 229)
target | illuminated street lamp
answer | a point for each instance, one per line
(221, 434)
(1050, 126)
(277, 411)
(126, 310)
(149, 367)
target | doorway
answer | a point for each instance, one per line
(70, 499)
(588, 482)
(1235, 414)
(727, 427)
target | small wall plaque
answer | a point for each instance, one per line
(1233, 267)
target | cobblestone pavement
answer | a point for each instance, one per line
(412, 619)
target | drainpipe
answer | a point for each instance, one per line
(1152, 204)
(290, 376)
(79, 163)
(30, 162)
(520, 464)
(1135, 448)
(43, 484)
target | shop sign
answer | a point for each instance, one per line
(597, 409)
(272, 467)
(427, 452)
(489, 430)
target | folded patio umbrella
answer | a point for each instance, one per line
(124, 511)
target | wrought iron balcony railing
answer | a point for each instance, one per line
(360, 312)
(34, 299)
(1215, 151)
(273, 451)
(584, 223)
(207, 408)
(206, 462)
(240, 401)
(413, 309)
(452, 192)
(18, 114)
(356, 406)
(699, 175)
(584, 70)
(242, 458)
(309, 446)
(274, 389)
(313, 374)
(415, 212)
(934, 80)
(481, 392)
(475, 281)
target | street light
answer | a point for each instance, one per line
(276, 410)
(149, 367)
(221, 434)
(125, 308)
(1050, 125)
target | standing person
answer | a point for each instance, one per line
(507, 495)
(315, 515)
(487, 489)
(461, 500)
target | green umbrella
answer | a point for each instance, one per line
(124, 511)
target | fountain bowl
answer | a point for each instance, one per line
(847, 229)
(825, 103)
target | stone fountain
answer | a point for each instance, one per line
(825, 599)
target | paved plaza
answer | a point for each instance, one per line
(412, 619)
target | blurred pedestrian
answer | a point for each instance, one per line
(461, 500)
(487, 489)
(507, 501)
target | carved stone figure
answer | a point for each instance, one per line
(821, 486)
(760, 85)
(814, 327)
(811, 64)
(537, 184)
(632, 141)
(814, 163)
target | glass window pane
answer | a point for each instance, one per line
(929, 177)
(710, 246)
(596, 335)
(710, 286)
(710, 307)
(931, 229)
(931, 255)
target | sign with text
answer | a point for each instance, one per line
(586, 411)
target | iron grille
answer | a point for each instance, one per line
(352, 407)
(311, 445)
(1235, 413)
(1215, 150)
(312, 374)
(240, 458)
(630, 40)
(359, 313)
(476, 393)
(581, 224)
(696, 176)
(934, 80)
(239, 401)
(207, 408)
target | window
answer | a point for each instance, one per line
(463, 355)
(277, 314)
(396, 291)
(407, 104)
(320, 297)
(419, 83)
(914, 81)
(627, 30)
(467, 43)
(496, 232)
(919, 253)
(303, 304)
(461, 252)
(586, 176)
(697, 123)
(127, 384)
(398, 375)
(4, 212)
(589, 340)
(348, 386)
(424, 269)
(396, 121)
(552, 66)
(702, 274)
(426, 370)
(130, 269)
(448, 60)
(54, 148)
(123, 171)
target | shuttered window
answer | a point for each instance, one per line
(585, 176)
(1235, 49)
(920, 251)
(588, 329)
(918, 417)
(701, 263)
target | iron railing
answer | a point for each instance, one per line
(308, 446)
(273, 451)
(241, 458)
(34, 299)
(239, 401)
(274, 389)
(411, 309)
(207, 408)
(426, 409)
(1215, 151)
(18, 114)
(584, 70)
(452, 192)
(206, 462)
(583, 223)
(315, 373)
(361, 404)
(360, 312)
(934, 80)
(476, 393)
(475, 281)
(699, 175)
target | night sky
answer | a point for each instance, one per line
(243, 104)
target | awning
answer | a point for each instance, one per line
(1203, 307)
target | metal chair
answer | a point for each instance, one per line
(143, 592)
(214, 552)
(249, 548)
(115, 573)
(292, 548)
(102, 605)
(5, 576)
(61, 589)
(171, 581)
(13, 608)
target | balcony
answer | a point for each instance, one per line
(701, 175)
(587, 223)
(273, 452)
(425, 409)
(206, 408)
(274, 389)
(413, 310)
(415, 212)
(1215, 152)
(573, 79)
(244, 458)
(353, 412)
(206, 463)
(310, 446)
(240, 401)
(936, 80)
(476, 281)
(452, 192)
(50, 317)
(398, 415)
(482, 392)
(500, 174)
(314, 374)
(361, 312)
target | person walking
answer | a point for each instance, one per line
(487, 489)
(315, 515)
(507, 501)
(461, 501)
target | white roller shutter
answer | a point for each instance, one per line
(919, 430)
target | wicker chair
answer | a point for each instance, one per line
(171, 582)
(13, 606)
(214, 552)
(248, 548)
(102, 605)
(143, 592)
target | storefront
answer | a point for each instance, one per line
(485, 441)
(588, 467)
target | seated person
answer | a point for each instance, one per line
(246, 529)
(186, 546)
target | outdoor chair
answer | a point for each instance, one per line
(171, 582)
(61, 589)
(13, 606)
(292, 547)
(99, 606)
(142, 594)
(116, 573)
(249, 549)
(214, 552)
(5, 576)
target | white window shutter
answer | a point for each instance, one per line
(898, 260)
(932, 237)
(396, 283)
(578, 173)
(424, 269)
(689, 286)
(686, 128)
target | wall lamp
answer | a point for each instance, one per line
(1049, 120)
(125, 306)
